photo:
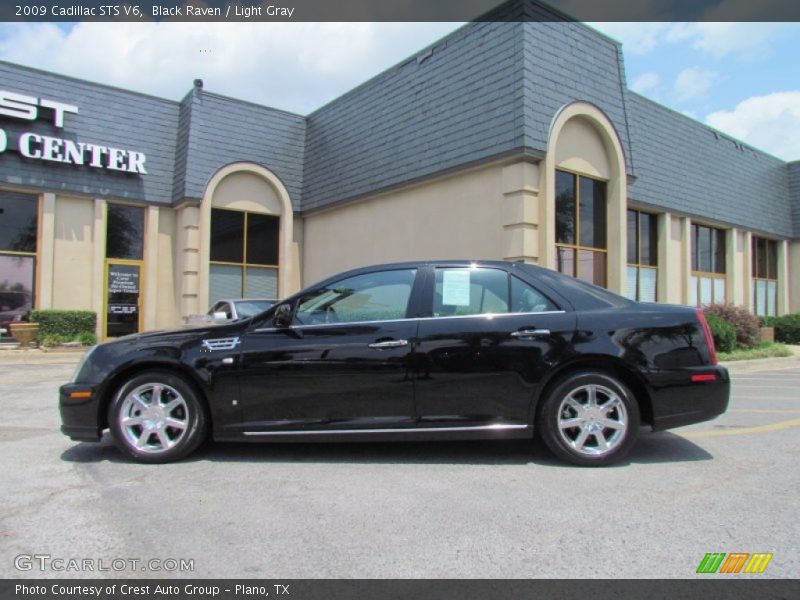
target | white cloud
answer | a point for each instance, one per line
(646, 83)
(636, 38)
(744, 40)
(770, 122)
(693, 82)
(294, 66)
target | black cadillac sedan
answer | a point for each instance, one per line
(410, 351)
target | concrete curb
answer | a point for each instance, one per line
(762, 364)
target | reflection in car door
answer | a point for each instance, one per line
(489, 341)
(345, 363)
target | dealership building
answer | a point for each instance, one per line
(503, 140)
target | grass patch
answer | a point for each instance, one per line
(764, 350)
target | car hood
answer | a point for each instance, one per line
(184, 332)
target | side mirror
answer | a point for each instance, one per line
(283, 316)
(220, 316)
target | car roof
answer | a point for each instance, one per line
(449, 262)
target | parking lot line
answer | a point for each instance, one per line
(744, 430)
(765, 410)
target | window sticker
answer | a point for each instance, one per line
(455, 288)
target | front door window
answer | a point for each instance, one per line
(379, 296)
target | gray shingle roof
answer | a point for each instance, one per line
(794, 193)
(685, 166)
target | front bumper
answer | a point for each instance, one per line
(678, 401)
(80, 417)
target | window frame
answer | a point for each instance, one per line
(695, 261)
(431, 292)
(410, 303)
(245, 264)
(639, 265)
(576, 247)
(767, 279)
(38, 199)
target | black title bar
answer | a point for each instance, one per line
(399, 10)
(730, 588)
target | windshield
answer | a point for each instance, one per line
(249, 308)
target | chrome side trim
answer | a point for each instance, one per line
(487, 316)
(496, 427)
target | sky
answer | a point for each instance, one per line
(741, 78)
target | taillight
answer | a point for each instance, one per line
(712, 350)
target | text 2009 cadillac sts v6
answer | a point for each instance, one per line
(410, 351)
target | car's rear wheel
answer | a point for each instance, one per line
(157, 417)
(589, 419)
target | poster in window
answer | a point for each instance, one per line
(122, 297)
(455, 288)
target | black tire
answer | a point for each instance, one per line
(157, 434)
(582, 444)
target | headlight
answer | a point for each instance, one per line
(82, 362)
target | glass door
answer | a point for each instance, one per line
(123, 298)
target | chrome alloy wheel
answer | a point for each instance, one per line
(592, 420)
(154, 417)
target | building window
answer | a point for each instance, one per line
(124, 254)
(581, 246)
(765, 276)
(642, 256)
(125, 232)
(708, 265)
(19, 224)
(243, 255)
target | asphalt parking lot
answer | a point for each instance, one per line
(448, 509)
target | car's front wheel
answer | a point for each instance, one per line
(589, 419)
(157, 417)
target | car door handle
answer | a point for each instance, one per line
(529, 333)
(389, 344)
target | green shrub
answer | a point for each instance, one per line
(787, 328)
(52, 340)
(69, 324)
(87, 339)
(724, 333)
(744, 322)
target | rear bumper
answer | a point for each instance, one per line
(80, 417)
(678, 401)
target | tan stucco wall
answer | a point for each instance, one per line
(581, 149)
(72, 254)
(453, 217)
(247, 191)
(166, 308)
(794, 277)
